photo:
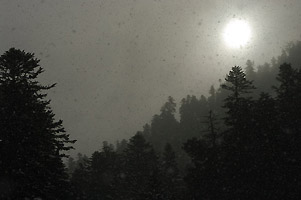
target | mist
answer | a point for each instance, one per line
(116, 62)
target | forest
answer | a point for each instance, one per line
(242, 141)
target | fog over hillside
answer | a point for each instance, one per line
(116, 62)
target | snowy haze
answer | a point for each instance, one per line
(116, 62)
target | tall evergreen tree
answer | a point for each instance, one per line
(191, 112)
(80, 180)
(288, 105)
(250, 73)
(204, 176)
(170, 174)
(238, 137)
(139, 177)
(212, 97)
(121, 146)
(212, 135)
(164, 127)
(104, 170)
(31, 140)
(289, 97)
(237, 103)
(71, 165)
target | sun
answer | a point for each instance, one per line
(237, 33)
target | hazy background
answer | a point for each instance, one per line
(116, 62)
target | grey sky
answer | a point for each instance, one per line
(116, 62)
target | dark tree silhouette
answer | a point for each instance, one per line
(139, 178)
(288, 105)
(31, 140)
(237, 103)
(250, 71)
(289, 97)
(191, 112)
(121, 146)
(212, 135)
(80, 181)
(104, 170)
(164, 127)
(204, 176)
(254, 154)
(212, 97)
(170, 174)
(238, 137)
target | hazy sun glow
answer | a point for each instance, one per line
(237, 33)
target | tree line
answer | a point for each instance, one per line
(241, 142)
(253, 152)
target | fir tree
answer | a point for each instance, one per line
(212, 97)
(139, 176)
(238, 137)
(191, 111)
(31, 140)
(237, 103)
(250, 73)
(164, 127)
(289, 97)
(170, 174)
(288, 105)
(104, 170)
(80, 181)
(212, 136)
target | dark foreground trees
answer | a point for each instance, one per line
(251, 152)
(136, 173)
(259, 154)
(31, 140)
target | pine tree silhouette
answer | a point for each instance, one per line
(31, 140)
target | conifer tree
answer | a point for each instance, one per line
(212, 97)
(288, 105)
(80, 180)
(104, 170)
(212, 136)
(121, 146)
(170, 174)
(139, 176)
(31, 140)
(238, 137)
(289, 97)
(164, 127)
(237, 103)
(250, 73)
(204, 176)
(191, 112)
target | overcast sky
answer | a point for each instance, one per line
(117, 61)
